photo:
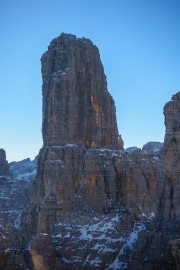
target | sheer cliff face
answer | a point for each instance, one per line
(77, 107)
(162, 250)
(4, 167)
(83, 172)
(75, 171)
(172, 157)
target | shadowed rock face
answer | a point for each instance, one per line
(77, 107)
(4, 167)
(172, 158)
(159, 248)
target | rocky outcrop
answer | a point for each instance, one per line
(24, 169)
(82, 168)
(154, 147)
(14, 198)
(75, 169)
(77, 107)
(72, 178)
(159, 246)
(92, 204)
(171, 199)
(4, 167)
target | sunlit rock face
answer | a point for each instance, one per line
(82, 165)
(171, 203)
(77, 107)
(4, 167)
(72, 178)
(88, 192)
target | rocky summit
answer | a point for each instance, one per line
(94, 205)
(77, 107)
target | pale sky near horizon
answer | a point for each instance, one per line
(139, 44)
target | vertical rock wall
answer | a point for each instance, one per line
(171, 199)
(77, 107)
(158, 247)
(82, 170)
(75, 172)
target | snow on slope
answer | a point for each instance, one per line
(15, 190)
(24, 169)
(99, 241)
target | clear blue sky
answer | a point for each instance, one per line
(139, 43)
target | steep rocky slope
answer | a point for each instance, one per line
(159, 247)
(86, 185)
(14, 198)
(78, 168)
(172, 157)
(15, 189)
(92, 204)
(154, 147)
(24, 169)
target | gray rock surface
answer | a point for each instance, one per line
(14, 197)
(24, 169)
(154, 147)
(4, 166)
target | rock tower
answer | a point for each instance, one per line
(172, 157)
(77, 107)
(84, 174)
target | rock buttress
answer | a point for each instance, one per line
(75, 171)
(76, 175)
(171, 203)
(77, 107)
(158, 247)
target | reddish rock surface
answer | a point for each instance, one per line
(88, 192)
(72, 178)
(77, 107)
(82, 168)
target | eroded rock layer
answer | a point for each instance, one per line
(72, 178)
(77, 107)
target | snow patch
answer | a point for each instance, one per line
(25, 176)
(118, 264)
